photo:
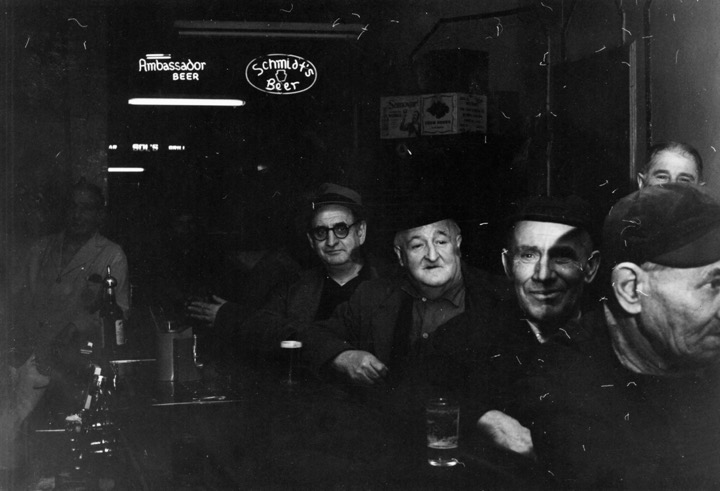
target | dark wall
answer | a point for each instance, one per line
(685, 68)
(70, 88)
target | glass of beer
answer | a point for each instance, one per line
(442, 418)
(292, 354)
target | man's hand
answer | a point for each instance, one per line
(506, 432)
(27, 375)
(362, 367)
(205, 312)
(30, 386)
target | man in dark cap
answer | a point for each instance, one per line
(417, 334)
(634, 403)
(550, 258)
(336, 230)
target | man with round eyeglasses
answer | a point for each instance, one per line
(336, 236)
(336, 232)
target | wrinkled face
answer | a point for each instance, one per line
(84, 215)
(549, 265)
(334, 251)
(680, 313)
(431, 254)
(670, 166)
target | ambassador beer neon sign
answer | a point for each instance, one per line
(180, 70)
(281, 74)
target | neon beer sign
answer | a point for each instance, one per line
(178, 70)
(281, 74)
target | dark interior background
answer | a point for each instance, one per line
(571, 88)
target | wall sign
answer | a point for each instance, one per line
(432, 114)
(281, 74)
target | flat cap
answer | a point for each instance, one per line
(675, 225)
(334, 194)
(569, 210)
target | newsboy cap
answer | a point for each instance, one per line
(334, 194)
(675, 225)
(569, 210)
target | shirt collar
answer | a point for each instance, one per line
(544, 338)
(454, 294)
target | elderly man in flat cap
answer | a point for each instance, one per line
(550, 259)
(635, 403)
(336, 230)
(416, 335)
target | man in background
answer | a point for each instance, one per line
(672, 162)
(57, 313)
(62, 281)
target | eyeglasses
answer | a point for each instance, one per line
(341, 230)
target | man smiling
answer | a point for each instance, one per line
(550, 259)
(634, 403)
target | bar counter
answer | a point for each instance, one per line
(247, 428)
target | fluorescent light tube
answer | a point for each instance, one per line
(126, 169)
(176, 101)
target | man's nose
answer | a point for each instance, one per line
(431, 253)
(331, 238)
(543, 270)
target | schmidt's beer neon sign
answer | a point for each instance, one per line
(188, 70)
(281, 74)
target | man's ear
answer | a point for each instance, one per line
(458, 240)
(627, 284)
(310, 240)
(640, 180)
(399, 254)
(507, 263)
(593, 265)
(362, 231)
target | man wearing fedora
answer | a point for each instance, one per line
(418, 334)
(633, 404)
(336, 231)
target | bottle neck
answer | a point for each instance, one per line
(109, 294)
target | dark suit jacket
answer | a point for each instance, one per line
(449, 362)
(597, 425)
(288, 309)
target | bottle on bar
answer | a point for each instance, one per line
(112, 332)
